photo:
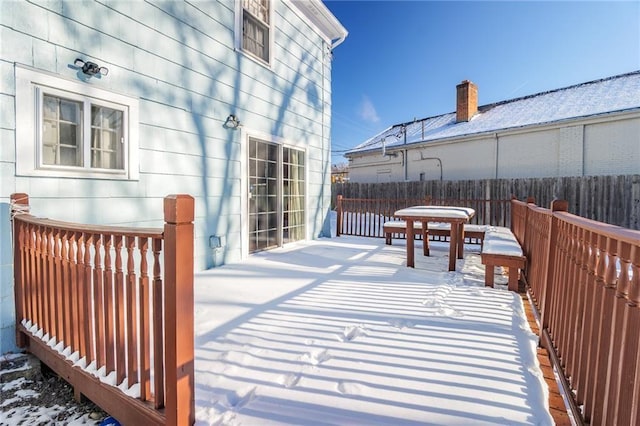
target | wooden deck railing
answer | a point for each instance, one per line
(584, 279)
(112, 302)
(365, 217)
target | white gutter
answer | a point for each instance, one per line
(317, 14)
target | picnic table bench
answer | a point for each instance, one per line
(439, 229)
(501, 248)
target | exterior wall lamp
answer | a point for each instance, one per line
(232, 122)
(90, 68)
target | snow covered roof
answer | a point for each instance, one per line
(614, 94)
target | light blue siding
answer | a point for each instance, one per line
(178, 59)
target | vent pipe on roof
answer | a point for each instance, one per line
(466, 101)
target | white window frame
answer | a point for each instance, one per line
(239, 34)
(31, 85)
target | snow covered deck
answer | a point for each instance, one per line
(337, 331)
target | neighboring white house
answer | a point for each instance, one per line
(587, 129)
(106, 107)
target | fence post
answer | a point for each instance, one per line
(556, 206)
(339, 218)
(19, 204)
(179, 307)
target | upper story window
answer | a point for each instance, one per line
(72, 129)
(256, 28)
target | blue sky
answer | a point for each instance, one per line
(403, 59)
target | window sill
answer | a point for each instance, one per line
(254, 58)
(77, 174)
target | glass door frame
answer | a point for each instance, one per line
(248, 232)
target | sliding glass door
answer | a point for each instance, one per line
(276, 195)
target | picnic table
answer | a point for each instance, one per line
(456, 216)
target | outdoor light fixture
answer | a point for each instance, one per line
(232, 122)
(90, 68)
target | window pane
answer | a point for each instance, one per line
(273, 153)
(69, 134)
(69, 111)
(294, 196)
(258, 8)
(50, 107)
(107, 144)
(255, 37)
(67, 156)
(61, 131)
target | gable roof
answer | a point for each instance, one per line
(613, 94)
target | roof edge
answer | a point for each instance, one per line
(494, 104)
(322, 18)
(449, 139)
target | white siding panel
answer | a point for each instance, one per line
(7, 112)
(462, 160)
(528, 155)
(7, 147)
(29, 19)
(16, 46)
(130, 211)
(159, 162)
(8, 181)
(38, 187)
(367, 169)
(162, 185)
(570, 151)
(162, 115)
(45, 55)
(7, 79)
(162, 139)
(612, 148)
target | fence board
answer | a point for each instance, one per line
(610, 199)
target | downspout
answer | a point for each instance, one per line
(497, 144)
(325, 209)
(583, 156)
(404, 156)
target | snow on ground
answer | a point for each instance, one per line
(29, 396)
(340, 332)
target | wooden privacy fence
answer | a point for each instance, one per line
(94, 304)
(610, 199)
(366, 217)
(584, 279)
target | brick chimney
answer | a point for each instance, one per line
(466, 101)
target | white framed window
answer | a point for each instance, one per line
(255, 23)
(66, 128)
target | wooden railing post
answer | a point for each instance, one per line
(525, 231)
(19, 204)
(179, 307)
(545, 297)
(339, 216)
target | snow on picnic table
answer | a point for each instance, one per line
(340, 332)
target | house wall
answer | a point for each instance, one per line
(177, 58)
(607, 145)
(611, 147)
(454, 159)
